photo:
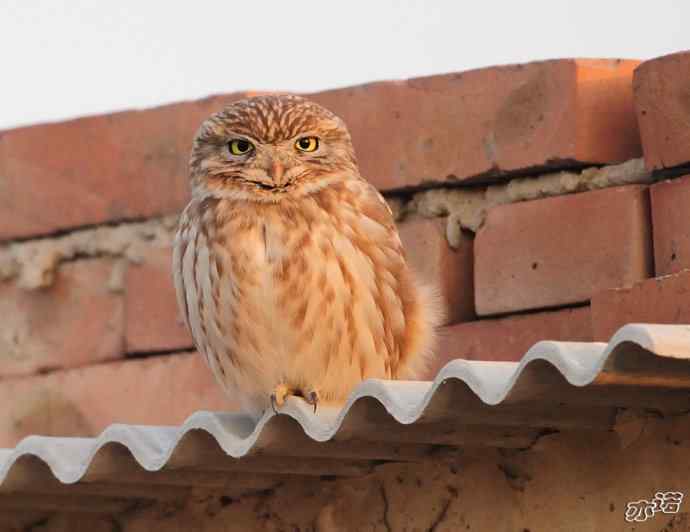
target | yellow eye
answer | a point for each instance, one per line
(240, 146)
(307, 144)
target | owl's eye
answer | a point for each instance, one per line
(240, 146)
(307, 144)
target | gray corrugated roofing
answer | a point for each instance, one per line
(557, 385)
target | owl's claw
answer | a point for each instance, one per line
(312, 398)
(282, 392)
(278, 397)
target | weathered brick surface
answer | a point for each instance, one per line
(153, 322)
(670, 222)
(662, 100)
(456, 126)
(445, 269)
(87, 171)
(78, 320)
(660, 300)
(561, 250)
(509, 338)
(84, 401)
(492, 120)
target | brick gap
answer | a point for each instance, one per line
(652, 244)
(158, 353)
(662, 174)
(79, 256)
(46, 370)
(403, 195)
(79, 228)
(495, 177)
(524, 312)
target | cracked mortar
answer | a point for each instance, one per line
(35, 262)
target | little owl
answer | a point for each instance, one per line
(287, 264)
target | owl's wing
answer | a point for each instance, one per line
(401, 293)
(181, 245)
(373, 205)
(196, 274)
(192, 277)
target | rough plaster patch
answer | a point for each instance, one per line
(35, 262)
(116, 281)
(467, 207)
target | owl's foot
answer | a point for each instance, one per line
(312, 398)
(283, 391)
(279, 395)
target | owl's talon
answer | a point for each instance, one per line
(278, 397)
(312, 398)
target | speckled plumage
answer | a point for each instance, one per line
(288, 266)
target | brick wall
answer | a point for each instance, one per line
(545, 200)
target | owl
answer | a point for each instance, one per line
(287, 264)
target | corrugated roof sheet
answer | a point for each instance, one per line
(556, 386)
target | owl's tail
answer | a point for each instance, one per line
(422, 332)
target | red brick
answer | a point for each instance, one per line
(83, 402)
(509, 338)
(91, 170)
(447, 270)
(660, 300)
(670, 207)
(76, 321)
(457, 126)
(482, 123)
(152, 319)
(561, 250)
(662, 100)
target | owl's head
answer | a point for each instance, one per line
(270, 147)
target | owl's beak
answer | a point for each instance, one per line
(277, 172)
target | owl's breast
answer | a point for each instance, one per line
(304, 289)
(262, 269)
